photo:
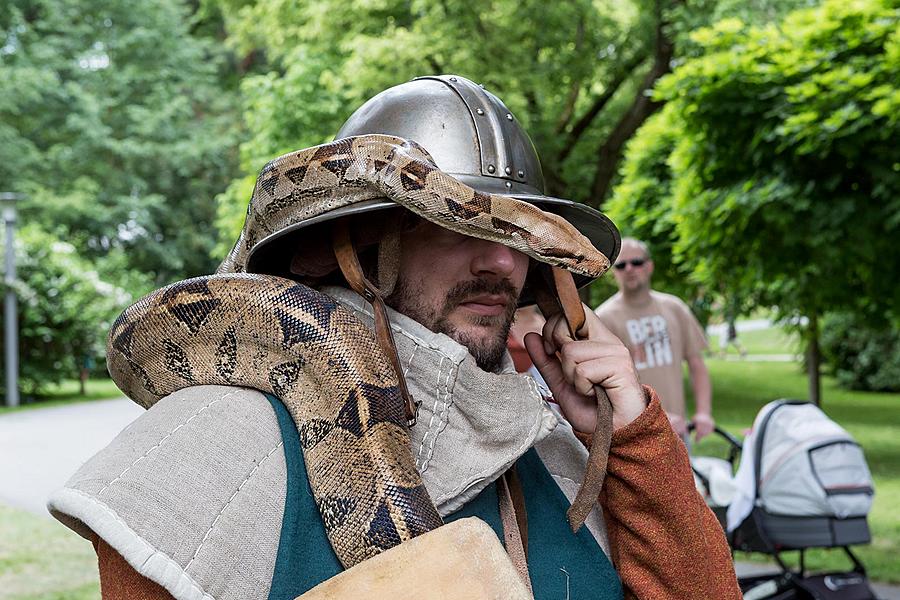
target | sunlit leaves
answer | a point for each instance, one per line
(772, 172)
(112, 114)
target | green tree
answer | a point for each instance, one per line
(776, 175)
(569, 71)
(577, 74)
(65, 309)
(115, 121)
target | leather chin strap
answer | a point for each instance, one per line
(345, 252)
(562, 295)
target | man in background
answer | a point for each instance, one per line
(661, 333)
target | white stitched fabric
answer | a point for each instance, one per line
(199, 479)
(472, 425)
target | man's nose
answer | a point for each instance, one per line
(492, 258)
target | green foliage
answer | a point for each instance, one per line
(861, 356)
(317, 62)
(68, 391)
(113, 120)
(691, 16)
(118, 124)
(639, 203)
(65, 309)
(772, 173)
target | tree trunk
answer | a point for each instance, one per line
(813, 361)
(641, 108)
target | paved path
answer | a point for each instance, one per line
(761, 358)
(41, 448)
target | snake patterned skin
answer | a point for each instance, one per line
(305, 184)
(280, 337)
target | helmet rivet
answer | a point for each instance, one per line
(453, 79)
(479, 111)
(521, 173)
(509, 185)
(491, 169)
(509, 116)
(508, 171)
(481, 85)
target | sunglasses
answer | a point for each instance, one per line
(634, 262)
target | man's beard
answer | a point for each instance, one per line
(487, 352)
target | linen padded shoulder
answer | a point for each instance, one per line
(191, 490)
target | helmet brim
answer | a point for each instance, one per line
(273, 253)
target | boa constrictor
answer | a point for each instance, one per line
(308, 183)
(284, 338)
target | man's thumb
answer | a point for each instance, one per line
(546, 364)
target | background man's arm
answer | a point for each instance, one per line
(702, 387)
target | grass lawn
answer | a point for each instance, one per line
(741, 388)
(68, 392)
(42, 560)
(773, 340)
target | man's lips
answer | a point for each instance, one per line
(486, 305)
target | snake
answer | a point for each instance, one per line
(286, 339)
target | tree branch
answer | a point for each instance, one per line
(584, 122)
(436, 67)
(531, 102)
(641, 108)
(574, 90)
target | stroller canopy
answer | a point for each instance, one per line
(798, 462)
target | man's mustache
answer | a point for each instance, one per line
(477, 287)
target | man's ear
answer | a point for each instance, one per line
(650, 267)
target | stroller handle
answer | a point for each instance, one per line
(733, 441)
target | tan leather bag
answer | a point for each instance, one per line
(462, 560)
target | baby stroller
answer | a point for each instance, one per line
(802, 482)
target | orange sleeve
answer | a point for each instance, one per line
(665, 541)
(119, 581)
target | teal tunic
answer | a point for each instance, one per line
(561, 564)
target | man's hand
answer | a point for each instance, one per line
(572, 368)
(703, 425)
(679, 425)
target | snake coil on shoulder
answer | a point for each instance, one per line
(288, 340)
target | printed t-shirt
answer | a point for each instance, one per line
(660, 335)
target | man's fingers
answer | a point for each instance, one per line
(546, 363)
(582, 363)
(597, 371)
(556, 332)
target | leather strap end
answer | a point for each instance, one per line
(345, 252)
(595, 470)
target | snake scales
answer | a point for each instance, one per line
(284, 338)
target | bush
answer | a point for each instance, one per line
(65, 310)
(861, 355)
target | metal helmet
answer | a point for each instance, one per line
(472, 136)
(475, 138)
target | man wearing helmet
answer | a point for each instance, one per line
(485, 443)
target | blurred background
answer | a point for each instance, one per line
(752, 144)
